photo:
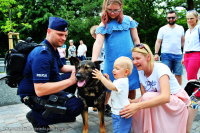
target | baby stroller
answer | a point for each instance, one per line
(189, 88)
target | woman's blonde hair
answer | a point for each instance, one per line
(193, 14)
(93, 29)
(126, 62)
(145, 52)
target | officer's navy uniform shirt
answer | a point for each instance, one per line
(39, 63)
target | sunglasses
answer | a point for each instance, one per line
(115, 12)
(194, 12)
(170, 17)
(141, 46)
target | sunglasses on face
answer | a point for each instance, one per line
(115, 11)
(141, 46)
(170, 17)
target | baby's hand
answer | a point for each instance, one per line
(106, 76)
(97, 74)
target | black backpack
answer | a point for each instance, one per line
(15, 60)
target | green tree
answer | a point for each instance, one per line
(37, 13)
(81, 16)
(9, 10)
(150, 19)
(30, 18)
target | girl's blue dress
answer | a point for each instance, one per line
(118, 42)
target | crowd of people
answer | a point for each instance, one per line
(127, 65)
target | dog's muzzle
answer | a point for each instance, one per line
(78, 76)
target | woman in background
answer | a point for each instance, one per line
(191, 51)
(71, 51)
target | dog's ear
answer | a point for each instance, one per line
(74, 60)
(97, 63)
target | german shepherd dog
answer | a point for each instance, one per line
(91, 91)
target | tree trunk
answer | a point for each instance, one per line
(190, 4)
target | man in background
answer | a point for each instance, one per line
(171, 36)
(81, 52)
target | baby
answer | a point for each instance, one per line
(123, 67)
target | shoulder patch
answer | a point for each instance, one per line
(44, 48)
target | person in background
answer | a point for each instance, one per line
(62, 54)
(191, 56)
(118, 33)
(119, 92)
(65, 47)
(171, 36)
(101, 58)
(71, 51)
(81, 52)
(162, 107)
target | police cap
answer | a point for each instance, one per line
(58, 24)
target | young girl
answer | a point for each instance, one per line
(162, 108)
(119, 92)
(118, 33)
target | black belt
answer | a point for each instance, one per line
(187, 52)
(55, 103)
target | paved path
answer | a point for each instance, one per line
(13, 120)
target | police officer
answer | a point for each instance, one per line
(46, 79)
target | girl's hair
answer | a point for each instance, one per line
(93, 29)
(105, 18)
(193, 14)
(145, 52)
(126, 62)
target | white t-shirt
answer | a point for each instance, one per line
(171, 39)
(81, 49)
(151, 83)
(119, 98)
(192, 42)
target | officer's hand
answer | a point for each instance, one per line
(73, 77)
(156, 57)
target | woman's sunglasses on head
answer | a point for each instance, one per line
(141, 46)
(193, 11)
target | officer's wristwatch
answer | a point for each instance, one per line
(156, 53)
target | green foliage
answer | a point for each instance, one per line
(30, 18)
(10, 12)
(81, 16)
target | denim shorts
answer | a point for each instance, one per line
(81, 58)
(173, 61)
(121, 125)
